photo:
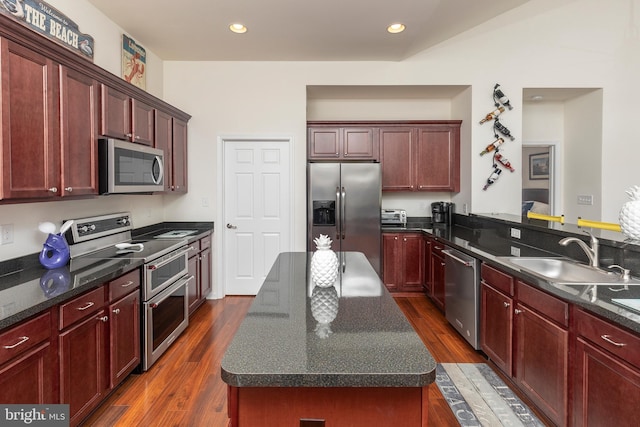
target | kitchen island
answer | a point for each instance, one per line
(343, 355)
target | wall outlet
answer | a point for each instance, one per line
(515, 233)
(465, 208)
(515, 251)
(6, 234)
(585, 199)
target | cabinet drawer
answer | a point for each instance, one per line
(205, 243)
(550, 306)
(621, 343)
(498, 279)
(25, 336)
(81, 307)
(437, 248)
(124, 284)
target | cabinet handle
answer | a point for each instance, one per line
(116, 311)
(68, 189)
(405, 239)
(129, 135)
(53, 190)
(438, 248)
(506, 304)
(395, 238)
(518, 311)
(86, 306)
(22, 341)
(126, 285)
(442, 264)
(610, 341)
(104, 319)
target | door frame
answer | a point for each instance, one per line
(219, 288)
(556, 193)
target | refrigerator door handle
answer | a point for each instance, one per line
(343, 215)
(339, 215)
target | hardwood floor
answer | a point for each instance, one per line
(184, 387)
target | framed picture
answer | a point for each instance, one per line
(539, 166)
(134, 62)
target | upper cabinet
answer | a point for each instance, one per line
(126, 118)
(330, 142)
(54, 105)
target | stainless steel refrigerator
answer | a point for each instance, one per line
(343, 202)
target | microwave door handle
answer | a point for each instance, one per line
(158, 160)
(339, 217)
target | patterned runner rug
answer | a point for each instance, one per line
(478, 397)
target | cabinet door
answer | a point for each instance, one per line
(115, 120)
(205, 273)
(83, 365)
(79, 133)
(324, 143)
(390, 257)
(412, 256)
(427, 283)
(193, 289)
(496, 327)
(30, 126)
(142, 124)
(437, 271)
(179, 156)
(164, 141)
(124, 337)
(438, 158)
(542, 360)
(28, 379)
(396, 157)
(607, 390)
(360, 143)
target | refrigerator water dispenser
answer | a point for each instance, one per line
(324, 212)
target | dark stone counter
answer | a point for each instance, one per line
(352, 334)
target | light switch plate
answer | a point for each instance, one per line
(585, 199)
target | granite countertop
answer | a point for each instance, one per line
(488, 247)
(352, 334)
(27, 288)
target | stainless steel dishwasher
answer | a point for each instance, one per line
(462, 294)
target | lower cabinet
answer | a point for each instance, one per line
(524, 331)
(403, 269)
(437, 274)
(607, 374)
(124, 337)
(200, 268)
(27, 359)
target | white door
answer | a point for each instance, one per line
(257, 211)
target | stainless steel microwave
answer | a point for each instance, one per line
(125, 167)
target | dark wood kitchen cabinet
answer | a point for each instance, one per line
(403, 269)
(30, 140)
(421, 156)
(79, 96)
(27, 363)
(124, 326)
(171, 136)
(200, 268)
(126, 118)
(437, 274)
(607, 373)
(333, 142)
(83, 352)
(524, 331)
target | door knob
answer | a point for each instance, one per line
(231, 226)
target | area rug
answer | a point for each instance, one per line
(478, 397)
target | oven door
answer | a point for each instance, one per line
(160, 272)
(166, 316)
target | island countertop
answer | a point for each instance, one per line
(351, 334)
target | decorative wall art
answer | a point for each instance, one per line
(49, 22)
(539, 166)
(500, 132)
(134, 62)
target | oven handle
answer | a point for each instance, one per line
(168, 260)
(173, 288)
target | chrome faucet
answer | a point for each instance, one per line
(592, 252)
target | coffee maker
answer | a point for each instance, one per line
(442, 212)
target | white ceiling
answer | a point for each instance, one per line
(296, 30)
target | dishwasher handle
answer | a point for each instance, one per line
(449, 253)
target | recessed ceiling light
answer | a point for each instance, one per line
(396, 28)
(238, 28)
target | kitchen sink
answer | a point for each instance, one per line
(566, 271)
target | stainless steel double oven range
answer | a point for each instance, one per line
(165, 278)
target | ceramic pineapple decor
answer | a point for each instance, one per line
(324, 263)
(630, 214)
(324, 307)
